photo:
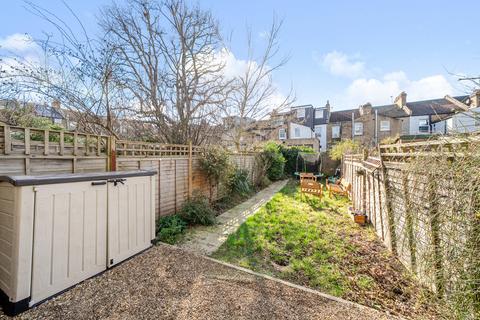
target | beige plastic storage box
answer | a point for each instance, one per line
(56, 231)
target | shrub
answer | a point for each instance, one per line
(344, 147)
(197, 211)
(238, 183)
(275, 161)
(170, 228)
(215, 162)
(390, 140)
(290, 154)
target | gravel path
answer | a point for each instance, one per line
(207, 239)
(166, 282)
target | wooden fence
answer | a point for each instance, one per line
(27, 151)
(403, 208)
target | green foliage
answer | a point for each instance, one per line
(169, 229)
(344, 147)
(215, 162)
(290, 154)
(197, 211)
(238, 183)
(272, 155)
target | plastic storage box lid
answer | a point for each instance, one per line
(18, 180)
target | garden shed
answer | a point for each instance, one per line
(58, 230)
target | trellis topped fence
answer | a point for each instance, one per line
(28, 151)
(423, 199)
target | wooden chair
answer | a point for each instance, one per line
(311, 186)
(342, 187)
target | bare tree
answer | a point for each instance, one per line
(168, 63)
(75, 70)
(255, 94)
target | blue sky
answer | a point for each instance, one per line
(349, 52)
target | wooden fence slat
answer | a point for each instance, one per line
(26, 140)
(46, 142)
(7, 140)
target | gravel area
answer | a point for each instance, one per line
(166, 282)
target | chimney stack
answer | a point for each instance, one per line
(365, 109)
(401, 100)
(475, 99)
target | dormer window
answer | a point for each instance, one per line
(318, 114)
(423, 126)
(301, 113)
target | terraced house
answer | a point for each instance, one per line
(320, 127)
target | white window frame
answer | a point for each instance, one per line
(336, 132)
(384, 125)
(358, 129)
(318, 114)
(282, 134)
(301, 113)
(296, 132)
(423, 123)
(317, 130)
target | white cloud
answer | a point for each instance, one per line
(341, 64)
(18, 43)
(367, 85)
(234, 67)
(382, 91)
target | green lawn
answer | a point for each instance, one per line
(316, 244)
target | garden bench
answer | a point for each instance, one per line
(311, 186)
(342, 187)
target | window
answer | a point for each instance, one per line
(423, 126)
(335, 132)
(282, 134)
(301, 113)
(385, 125)
(297, 132)
(57, 121)
(358, 129)
(318, 114)
(318, 131)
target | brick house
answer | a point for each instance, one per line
(371, 124)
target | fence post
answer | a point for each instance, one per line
(190, 169)
(111, 154)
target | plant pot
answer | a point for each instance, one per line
(361, 219)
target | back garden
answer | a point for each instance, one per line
(302, 239)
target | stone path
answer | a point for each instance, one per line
(207, 239)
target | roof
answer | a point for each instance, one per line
(47, 111)
(418, 108)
